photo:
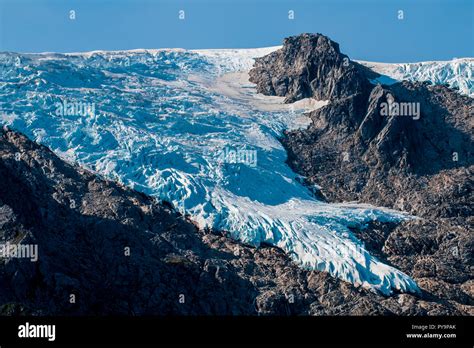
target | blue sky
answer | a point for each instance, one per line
(365, 29)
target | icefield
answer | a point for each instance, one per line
(456, 73)
(188, 128)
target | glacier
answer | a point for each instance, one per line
(181, 126)
(456, 73)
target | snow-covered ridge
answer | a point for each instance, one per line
(456, 73)
(185, 127)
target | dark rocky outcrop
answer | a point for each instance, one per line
(422, 163)
(309, 65)
(82, 225)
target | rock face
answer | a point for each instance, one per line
(121, 252)
(406, 146)
(308, 65)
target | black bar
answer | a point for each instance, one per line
(243, 330)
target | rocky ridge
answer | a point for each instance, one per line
(417, 162)
(309, 66)
(83, 224)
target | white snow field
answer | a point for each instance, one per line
(187, 127)
(457, 73)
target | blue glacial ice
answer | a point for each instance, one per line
(162, 125)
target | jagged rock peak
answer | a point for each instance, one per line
(309, 65)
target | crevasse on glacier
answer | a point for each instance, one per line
(158, 128)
